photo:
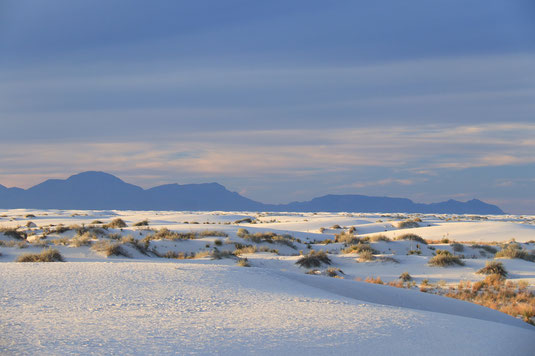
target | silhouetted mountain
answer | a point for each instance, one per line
(99, 190)
(367, 204)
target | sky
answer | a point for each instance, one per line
(277, 100)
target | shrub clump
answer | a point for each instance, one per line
(346, 238)
(110, 248)
(412, 237)
(408, 224)
(366, 256)
(359, 248)
(116, 223)
(493, 267)
(405, 277)
(13, 232)
(444, 258)
(269, 237)
(514, 251)
(48, 255)
(142, 223)
(313, 259)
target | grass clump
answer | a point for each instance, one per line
(269, 237)
(405, 277)
(408, 224)
(13, 232)
(359, 248)
(243, 262)
(116, 223)
(412, 237)
(487, 248)
(110, 248)
(444, 258)
(493, 267)
(457, 247)
(82, 240)
(514, 250)
(48, 255)
(142, 223)
(366, 256)
(346, 237)
(313, 259)
(216, 233)
(334, 272)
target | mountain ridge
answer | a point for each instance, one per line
(101, 190)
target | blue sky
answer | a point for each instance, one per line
(279, 100)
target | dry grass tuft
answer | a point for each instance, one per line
(444, 258)
(109, 248)
(412, 237)
(13, 232)
(48, 255)
(116, 223)
(514, 250)
(493, 267)
(313, 259)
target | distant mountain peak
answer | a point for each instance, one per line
(101, 190)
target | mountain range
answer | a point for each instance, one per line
(99, 190)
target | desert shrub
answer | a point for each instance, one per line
(60, 229)
(496, 293)
(487, 248)
(48, 255)
(366, 256)
(13, 232)
(493, 267)
(270, 237)
(109, 248)
(414, 252)
(313, 259)
(142, 223)
(322, 230)
(243, 262)
(352, 230)
(514, 250)
(334, 272)
(217, 233)
(166, 234)
(218, 242)
(405, 277)
(377, 238)
(82, 240)
(336, 227)
(457, 247)
(30, 224)
(140, 246)
(377, 280)
(29, 216)
(412, 237)
(359, 248)
(346, 238)
(217, 254)
(242, 232)
(96, 222)
(116, 223)
(244, 220)
(407, 224)
(444, 258)
(313, 271)
(62, 241)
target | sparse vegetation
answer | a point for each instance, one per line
(142, 223)
(493, 267)
(444, 258)
(314, 259)
(243, 262)
(514, 250)
(457, 247)
(116, 223)
(47, 255)
(366, 256)
(359, 248)
(109, 248)
(408, 224)
(13, 232)
(405, 277)
(412, 237)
